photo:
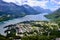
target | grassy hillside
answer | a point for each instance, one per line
(54, 16)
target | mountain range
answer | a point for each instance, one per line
(11, 8)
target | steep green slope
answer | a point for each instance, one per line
(54, 16)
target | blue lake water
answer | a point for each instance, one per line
(17, 20)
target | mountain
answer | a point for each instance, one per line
(39, 9)
(54, 15)
(29, 10)
(12, 8)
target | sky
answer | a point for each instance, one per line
(46, 4)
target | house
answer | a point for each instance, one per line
(23, 28)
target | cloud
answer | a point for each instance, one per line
(56, 1)
(53, 4)
(18, 2)
(42, 0)
(9, 1)
(38, 3)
